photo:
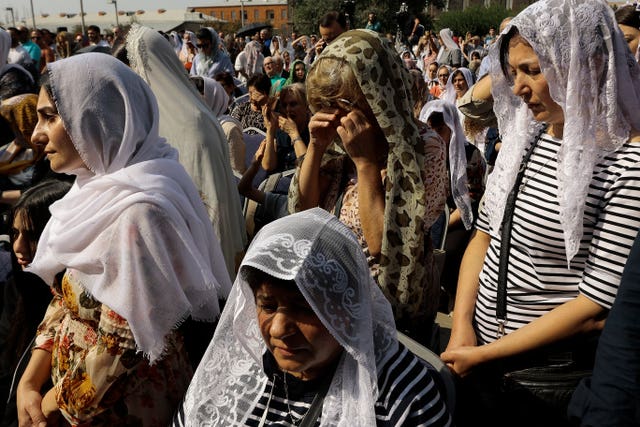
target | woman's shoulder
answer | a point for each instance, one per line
(408, 392)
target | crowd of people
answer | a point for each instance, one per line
(492, 179)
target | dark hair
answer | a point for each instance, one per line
(436, 119)
(225, 78)
(628, 15)
(33, 207)
(204, 34)
(120, 53)
(256, 278)
(198, 82)
(476, 54)
(330, 17)
(94, 28)
(261, 82)
(504, 49)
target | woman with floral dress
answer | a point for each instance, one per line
(136, 249)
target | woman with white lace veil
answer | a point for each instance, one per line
(566, 92)
(305, 318)
(211, 58)
(191, 127)
(450, 53)
(134, 244)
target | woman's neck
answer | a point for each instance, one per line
(555, 130)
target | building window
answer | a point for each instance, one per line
(233, 15)
(283, 14)
(221, 15)
(244, 15)
(256, 14)
(270, 14)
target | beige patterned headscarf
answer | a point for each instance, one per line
(385, 83)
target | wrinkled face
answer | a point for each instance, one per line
(529, 83)
(264, 35)
(459, 84)
(631, 36)
(257, 98)
(269, 65)
(51, 134)
(299, 342)
(24, 243)
(328, 34)
(299, 71)
(443, 75)
(433, 71)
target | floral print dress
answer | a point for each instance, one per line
(99, 377)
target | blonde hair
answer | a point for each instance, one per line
(296, 90)
(329, 80)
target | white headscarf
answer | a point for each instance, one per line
(218, 61)
(176, 42)
(184, 47)
(5, 47)
(457, 156)
(450, 94)
(592, 76)
(323, 257)
(132, 227)
(447, 43)
(217, 99)
(255, 59)
(190, 126)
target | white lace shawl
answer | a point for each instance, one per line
(324, 258)
(132, 227)
(592, 76)
(192, 128)
(457, 156)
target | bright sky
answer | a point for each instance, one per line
(22, 8)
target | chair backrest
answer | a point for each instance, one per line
(242, 99)
(447, 383)
(253, 137)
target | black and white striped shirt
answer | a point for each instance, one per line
(408, 396)
(539, 278)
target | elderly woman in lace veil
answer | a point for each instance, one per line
(306, 319)
(567, 93)
(379, 169)
(137, 251)
(191, 127)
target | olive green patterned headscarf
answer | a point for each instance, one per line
(385, 83)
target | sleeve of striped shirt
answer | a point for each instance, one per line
(613, 235)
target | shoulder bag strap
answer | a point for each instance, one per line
(505, 240)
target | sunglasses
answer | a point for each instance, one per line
(339, 103)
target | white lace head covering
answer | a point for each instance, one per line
(132, 227)
(457, 156)
(176, 42)
(592, 76)
(272, 48)
(184, 49)
(450, 92)
(192, 128)
(323, 257)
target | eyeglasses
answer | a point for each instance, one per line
(338, 103)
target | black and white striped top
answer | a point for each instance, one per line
(539, 278)
(408, 396)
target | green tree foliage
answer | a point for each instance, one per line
(307, 13)
(476, 20)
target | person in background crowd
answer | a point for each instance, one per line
(373, 24)
(47, 54)
(449, 54)
(95, 39)
(271, 70)
(250, 114)
(211, 59)
(332, 24)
